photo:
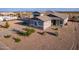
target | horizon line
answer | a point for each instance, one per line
(39, 9)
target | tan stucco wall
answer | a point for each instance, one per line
(46, 24)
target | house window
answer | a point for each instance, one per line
(40, 23)
(34, 23)
(61, 22)
(56, 22)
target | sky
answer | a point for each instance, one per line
(39, 9)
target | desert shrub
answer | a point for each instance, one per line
(22, 33)
(17, 39)
(56, 33)
(29, 29)
(7, 36)
(56, 29)
(25, 29)
(6, 25)
(27, 32)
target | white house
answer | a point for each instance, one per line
(2, 18)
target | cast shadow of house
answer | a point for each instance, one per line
(50, 33)
(73, 21)
(53, 33)
(23, 22)
(17, 31)
(26, 22)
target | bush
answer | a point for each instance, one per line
(27, 32)
(6, 24)
(17, 39)
(7, 36)
(31, 30)
(56, 34)
(23, 33)
(27, 29)
(56, 29)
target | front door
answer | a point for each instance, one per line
(53, 22)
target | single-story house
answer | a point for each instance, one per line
(42, 22)
(58, 19)
(46, 21)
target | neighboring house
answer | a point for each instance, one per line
(3, 18)
(8, 16)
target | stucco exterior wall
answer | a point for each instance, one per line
(46, 24)
(65, 20)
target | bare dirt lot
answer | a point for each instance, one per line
(67, 38)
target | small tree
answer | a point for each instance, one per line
(6, 24)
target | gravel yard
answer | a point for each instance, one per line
(65, 40)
